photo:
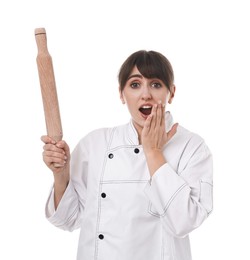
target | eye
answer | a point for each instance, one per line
(134, 85)
(156, 85)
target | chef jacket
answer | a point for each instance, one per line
(123, 213)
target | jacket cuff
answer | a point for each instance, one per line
(163, 188)
(50, 205)
(56, 217)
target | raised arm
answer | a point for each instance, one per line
(57, 154)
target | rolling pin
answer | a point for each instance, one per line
(48, 88)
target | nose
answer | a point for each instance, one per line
(146, 94)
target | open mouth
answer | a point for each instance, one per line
(145, 110)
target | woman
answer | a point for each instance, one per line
(139, 189)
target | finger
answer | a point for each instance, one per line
(147, 125)
(159, 114)
(54, 155)
(63, 145)
(46, 139)
(153, 115)
(51, 161)
(53, 148)
(163, 115)
(172, 131)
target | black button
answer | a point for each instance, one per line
(101, 236)
(136, 150)
(111, 156)
(103, 195)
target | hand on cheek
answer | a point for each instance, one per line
(154, 135)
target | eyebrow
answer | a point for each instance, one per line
(135, 76)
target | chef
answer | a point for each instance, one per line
(136, 190)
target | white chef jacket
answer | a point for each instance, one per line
(123, 214)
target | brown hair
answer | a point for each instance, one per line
(151, 64)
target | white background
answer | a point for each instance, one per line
(208, 45)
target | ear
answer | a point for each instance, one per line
(172, 92)
(122, 97)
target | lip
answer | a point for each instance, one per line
(144, 116)
(146, 105)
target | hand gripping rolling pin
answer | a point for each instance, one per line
(48, 88)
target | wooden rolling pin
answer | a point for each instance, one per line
(48, 87)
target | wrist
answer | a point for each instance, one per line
(153, 152)
(155, 159)
(61, 180)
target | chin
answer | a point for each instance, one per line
(139, 124)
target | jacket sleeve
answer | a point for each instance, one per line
(183, 200)
(68, 214)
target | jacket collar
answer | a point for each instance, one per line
(133, 135)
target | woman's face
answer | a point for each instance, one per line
(140, 94)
